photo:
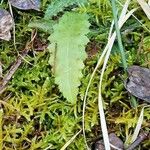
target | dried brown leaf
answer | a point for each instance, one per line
(138, 82)
(26, 4)
(6, 23)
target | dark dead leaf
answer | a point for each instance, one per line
(138, 82)
(99, 145)
(39, 45)
(114, 140)
(26, 4)
(6, 23)
(92, 48)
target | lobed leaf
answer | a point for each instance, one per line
(44, 25)
(58, 5)
(70, 39)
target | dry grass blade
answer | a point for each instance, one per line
(145, 6)
(1, 136)
(111, 29)
(143, 25)
(14, 28)
(138, 126)
(122, 20)
(100, 104)
(125, 8)
(70, 141)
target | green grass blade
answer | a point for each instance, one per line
(119, 35)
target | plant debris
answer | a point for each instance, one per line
(138, 82)
(6, 23)
(34, 113)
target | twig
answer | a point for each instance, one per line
(12, 70)
(140, 138)
(17, 63)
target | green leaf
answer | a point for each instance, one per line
(58, 5)
(70, 39)
(44, 25)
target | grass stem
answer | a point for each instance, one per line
(114, 10)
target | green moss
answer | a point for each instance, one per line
(33, 113)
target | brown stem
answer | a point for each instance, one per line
(140, 139)
(12, 70)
